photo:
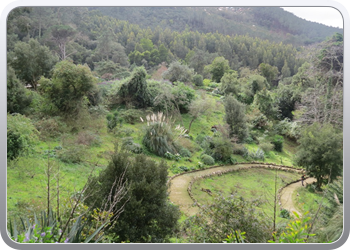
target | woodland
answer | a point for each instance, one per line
(109, 108)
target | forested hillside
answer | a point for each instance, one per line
(105, 106)
(271, 23)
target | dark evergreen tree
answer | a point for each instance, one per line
(235, 117)
(148, 216)
(135, 91)
(286, 99)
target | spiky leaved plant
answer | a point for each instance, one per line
(257, 155)
(160, 138)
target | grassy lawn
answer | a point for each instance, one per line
(250, 184)
(306, 199)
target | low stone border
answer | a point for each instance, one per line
(262, 165)
(238, 163)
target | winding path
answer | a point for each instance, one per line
(178, 193)
(287, 193)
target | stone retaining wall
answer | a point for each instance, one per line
(238, 163)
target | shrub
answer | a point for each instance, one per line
(88, 138)
(14, 145)
(197, 80)
(285, 214)
(50, 127)
(214, 85)
(177, 157)
(200, 138)
(178, 72)
(184, 169)
(249, 140)
(161, 96)
(41, 106)
(184, 152)
(238, 149)
(258, 120)
(186, 143)
(221, 149)
(183, 96)
(131, 116)
(45, 230)
(297, 231)
(112, 120)
(125, 132)
(288, 128)
(278, 143)
(159, 139)
(207, 159)
(134, 91)
(225, 215)
(266, 146)
(200, 165)
(169, 155)
(72, 153)
(257, 155)
(233, 160)
(18, 97)
(129, 145)
(21, 135)
(217, 92)
(206, 82)
(245, 153)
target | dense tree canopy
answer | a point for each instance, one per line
(320, 152)
(31, 61)
(178, 73)
(69, 84)
(218, 68)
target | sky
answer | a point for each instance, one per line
(325, 15)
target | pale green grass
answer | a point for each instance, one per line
(250, 184)
(307, 200)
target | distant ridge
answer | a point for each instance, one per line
(272, 23)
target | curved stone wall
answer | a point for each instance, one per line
(259, 165)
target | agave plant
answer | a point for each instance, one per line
(47, 231)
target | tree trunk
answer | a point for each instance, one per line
(189, 126)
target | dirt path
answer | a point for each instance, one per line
(178, 190)
(287, 195)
